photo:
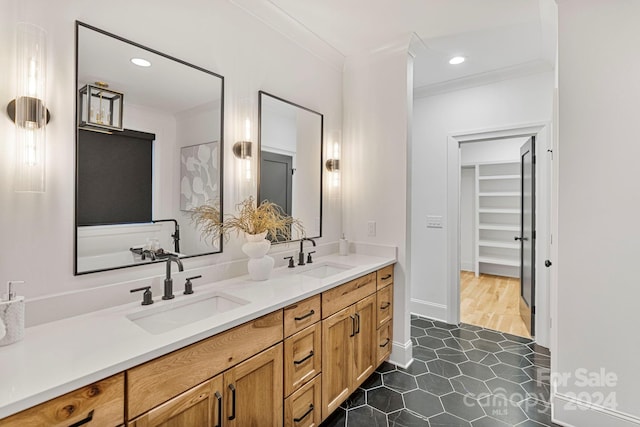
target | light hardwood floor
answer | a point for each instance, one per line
(491, 302)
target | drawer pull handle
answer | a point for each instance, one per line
(388, 276)
(219, 399)
(297, 420)
(304, 359)
(309, 314)
(357, 323)
(84, 421)
(386, 342)
(385, 305)
(233, 402)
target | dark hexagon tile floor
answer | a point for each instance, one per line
(461, 376)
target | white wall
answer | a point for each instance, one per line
(599, 201)
(37, 229)
(377, 105)
(498, 105)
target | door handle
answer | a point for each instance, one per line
(547, 263)
(524, 239)
(233, 402)
(219, 399)
(358, 323)
(353, 326)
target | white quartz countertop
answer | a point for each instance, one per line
(58, 357)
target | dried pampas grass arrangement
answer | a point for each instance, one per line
(251, 219)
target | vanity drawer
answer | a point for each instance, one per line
(155, 382)
(343, 296)
(384, 302)
(303, 408)
(301, 314)
(302, 357)
(384, 342)
(99, 404)
(385, 276)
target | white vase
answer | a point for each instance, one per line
(256, 248)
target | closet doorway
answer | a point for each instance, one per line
(490, 241)
(485, 213)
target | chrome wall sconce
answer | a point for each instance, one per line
(332, 165)
(333, 159)
(242, 149)
(28, 111)
(101, 107)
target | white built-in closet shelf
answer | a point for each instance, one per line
(500, 194)
(499, 210)
(502, 227)
(492, 177)
(499, 244)
(500, 261)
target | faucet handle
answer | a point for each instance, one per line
(291, 263)
(188, 286)
(147, 297)
(309, 259)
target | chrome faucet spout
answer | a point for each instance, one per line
(168, 281)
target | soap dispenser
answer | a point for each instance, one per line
(12, 315)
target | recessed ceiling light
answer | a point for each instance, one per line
(141, 62)
(457, 60)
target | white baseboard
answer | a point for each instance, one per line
(569, 411)
(467, 266)
(428, 309)
(401, 354)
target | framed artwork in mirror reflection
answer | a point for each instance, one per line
(199, 174)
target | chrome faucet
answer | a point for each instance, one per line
(301, 254)
(168, 281)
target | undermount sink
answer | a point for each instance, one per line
(325, 270)
(170, 315)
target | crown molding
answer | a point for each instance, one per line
(277, 19)
(493, 76)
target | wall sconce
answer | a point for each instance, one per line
(101, 107)
(243, 151)
(333, 159)
(28, 111)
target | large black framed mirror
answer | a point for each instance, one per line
(149, 148)
(290, 167)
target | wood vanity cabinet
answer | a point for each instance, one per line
(304, 407)
(303, 363)
(198, 406)
(245, 395)
(356, 334)
(99, 404)
(292, 368)
(384, 315)
(253, 391)
(169, 387)
(348, 354)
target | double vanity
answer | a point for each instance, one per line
(286, 351)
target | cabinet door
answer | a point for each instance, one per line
(337, 348)
(253, 391)
(199, 406)
(364, 351)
